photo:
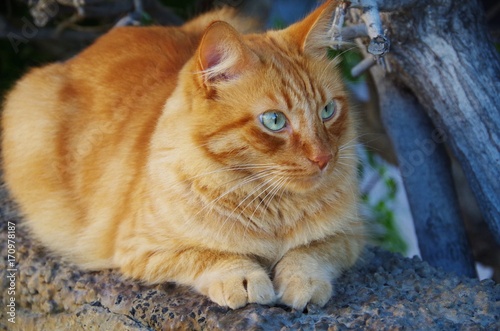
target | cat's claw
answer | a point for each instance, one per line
(235, 289)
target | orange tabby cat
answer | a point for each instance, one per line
(201, 155)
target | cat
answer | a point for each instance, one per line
(205, 155)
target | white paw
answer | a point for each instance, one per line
(236, 288)
(297, 285)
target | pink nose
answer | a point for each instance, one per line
(321, 160)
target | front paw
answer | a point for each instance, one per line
(297, 284)
(236, 288)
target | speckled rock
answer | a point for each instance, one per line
(383, 291)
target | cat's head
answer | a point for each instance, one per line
(272, 103)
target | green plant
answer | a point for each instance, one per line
(378, 204)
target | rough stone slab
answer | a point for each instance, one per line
(383, 291)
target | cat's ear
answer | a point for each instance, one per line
(222, 54)
(311, 34)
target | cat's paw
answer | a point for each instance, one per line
(236, 288)
(297, 284)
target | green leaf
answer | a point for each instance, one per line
(392, 187)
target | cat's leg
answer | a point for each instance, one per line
(227, 279)
(305, 274)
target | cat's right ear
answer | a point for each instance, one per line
(222, 54)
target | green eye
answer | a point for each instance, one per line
(329, 111)
(273, 120)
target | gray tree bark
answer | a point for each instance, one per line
(425, 169)
(441, 51)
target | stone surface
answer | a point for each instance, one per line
(383, 291)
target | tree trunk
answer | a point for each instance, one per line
(425, 169)
(441, 52)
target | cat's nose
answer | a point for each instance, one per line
(321, 160)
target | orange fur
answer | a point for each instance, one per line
(146, 153)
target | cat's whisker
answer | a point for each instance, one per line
(208, 208)
(353, 141)
(276, 191)
(360, 135)
(367, 141)
(349, 144)
(265, 183)
(288, 180)
(271, 184)
(246, 181)
(348, 155)
(348, 149)
(344, 164)
(269, 196)
(224, 169)
(281, 185)
(250, 194)
(354, 46)
(268, 199)
(274, 186)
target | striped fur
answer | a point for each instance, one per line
(145, 153)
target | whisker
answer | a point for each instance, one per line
(344, 43)
(269, 196)
(224, 169)
(247, 180)
(350, 143)
(274, 186)
(249, 195)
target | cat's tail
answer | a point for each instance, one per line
(227, 14)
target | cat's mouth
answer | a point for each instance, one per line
(306, 182)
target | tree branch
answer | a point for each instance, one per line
(19, 35)
(110, 11)
(383, 5)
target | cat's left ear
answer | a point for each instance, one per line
(311, 34)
